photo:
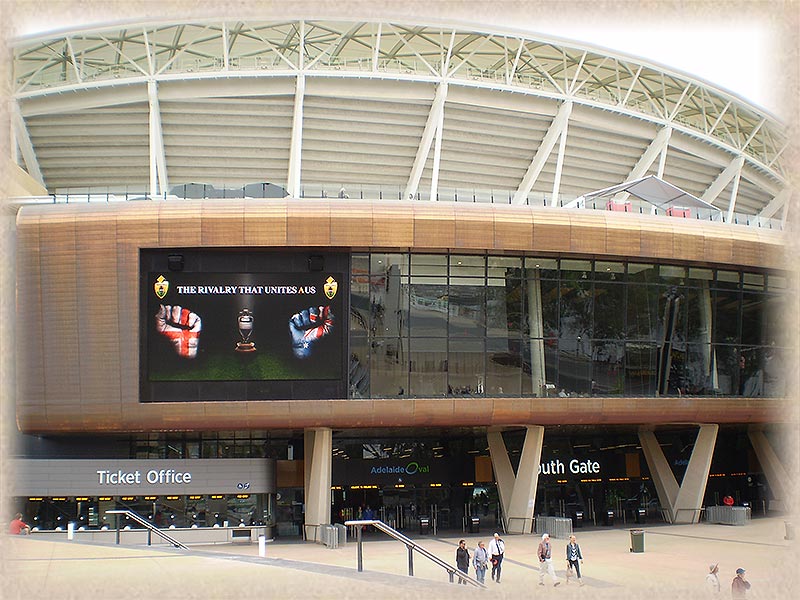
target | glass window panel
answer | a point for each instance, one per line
(359, 366)
(467, 311)
(574, 365)
(699, 315)
(728, 280)
(388, 296)
(609, 310)
(728, 372)
(671, 274)
(465, 367)
(535, 354)
(428, 374)
(753, 281)
(575, 310)
(503, 366)
(776, 282)
(774, 366)
(698, 376)
(428, 309)
(359, 303)
(696, 275)
(643, 313)
(429, 264)
(550, 291)
(640, 369)
(504, 301)
(777, 311)
(608, 368)
(726, 316)
(642, 273)
(753, 318)
(548, 267)
(576, 269)
(609, 271)
(381, 263)
(467, 266)
(499, 266)
(359, 263)
(388, 367)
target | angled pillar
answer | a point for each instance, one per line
(517, 492)
(682, 502)
(777, 476)
(296, 147)
(158, 162)
(723, 179)
(318, 447)
(557, 128)
(660, 471)
(432, 126)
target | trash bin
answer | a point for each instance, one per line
(637, 540)
(641, 516)
(424, 525)
(789, 530)
(578, 518)
(474, 525)
(610, 517)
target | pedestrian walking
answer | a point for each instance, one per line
(574, 559)
(546, 560)
(462, 559)
(712, 580)
(739, 585)
(497, 548)
(480, 560)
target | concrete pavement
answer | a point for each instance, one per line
(673, 565)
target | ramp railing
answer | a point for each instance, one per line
(151, 529)
(411, 545)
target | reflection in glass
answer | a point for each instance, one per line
(428, 370)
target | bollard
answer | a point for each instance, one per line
(262, 546)
(70, 530)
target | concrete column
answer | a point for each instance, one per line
(318, 445)
(503, 472)
(663, 477)
(681, 502)
(517, 492)
(693, 486)
(536, 328)
(777, 476)
(523, 498)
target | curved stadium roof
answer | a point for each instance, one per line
(386, 109)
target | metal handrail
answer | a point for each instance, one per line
(147, 525)
(411, 545)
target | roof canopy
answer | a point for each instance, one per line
(654, 191)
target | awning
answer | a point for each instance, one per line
(654, 191)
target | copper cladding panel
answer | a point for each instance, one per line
(81, 376)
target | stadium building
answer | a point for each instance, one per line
(296, 272)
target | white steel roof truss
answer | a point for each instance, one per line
(24, 144)
(432, 124)
(557, 127)
(722, 181)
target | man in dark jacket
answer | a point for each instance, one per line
(462, 559)
(739, 585)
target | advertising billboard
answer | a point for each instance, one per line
(272, 331)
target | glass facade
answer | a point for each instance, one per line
(431, 325)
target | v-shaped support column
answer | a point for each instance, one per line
(318, 450)
(517, 492)
(777, 476)
(682, 502)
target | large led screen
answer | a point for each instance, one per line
(213, 334)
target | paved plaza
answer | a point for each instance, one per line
(673, 565)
